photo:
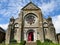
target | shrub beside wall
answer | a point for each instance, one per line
(46, 43)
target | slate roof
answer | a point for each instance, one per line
(2, 30)
(58, 33)
(32, 4)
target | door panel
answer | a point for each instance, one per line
(30, 36)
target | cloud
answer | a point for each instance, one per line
(49, 8)
(56, 22)
(4, 26)
(10, 8)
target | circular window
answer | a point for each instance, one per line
(30, 18)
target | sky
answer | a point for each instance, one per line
(9, 8)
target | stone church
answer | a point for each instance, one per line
(30, 26)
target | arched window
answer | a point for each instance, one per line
(45, 24)
(45, 31)
(16, 25)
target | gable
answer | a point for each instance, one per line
(30, 6)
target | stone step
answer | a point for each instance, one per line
(31, 43)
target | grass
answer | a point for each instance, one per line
(12, 44)
(38, 43)
(46, 43)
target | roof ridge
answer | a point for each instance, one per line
(28, 4)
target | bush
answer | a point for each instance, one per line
(38, 42)
(13, 41)
(22, 42)
(47, 40)
(14, 44)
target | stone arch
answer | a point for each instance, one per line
(30, 30)
(30, 13)
(30, 35)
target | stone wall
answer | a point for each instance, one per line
(58, 37)
(2, 35)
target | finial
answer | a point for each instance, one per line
(30, 0)
(12, 17)
(49, 16)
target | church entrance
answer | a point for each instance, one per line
(30, 36)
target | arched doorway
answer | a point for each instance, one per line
(30, 36)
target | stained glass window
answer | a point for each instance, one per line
(30, 18)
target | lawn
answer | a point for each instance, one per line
(38, 43)
(46, 43)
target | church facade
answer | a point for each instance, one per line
(30, 26)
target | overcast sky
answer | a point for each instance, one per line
(9, 8)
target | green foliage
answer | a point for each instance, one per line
(14, 44)
(22, 42)
(13, 41)
(38, 42)
(47, 42)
